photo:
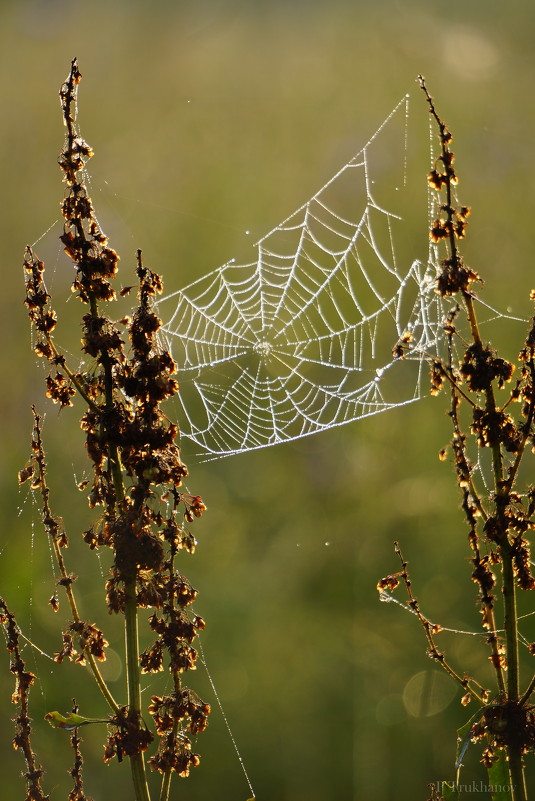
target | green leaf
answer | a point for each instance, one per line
(70, 721)
(499, 779)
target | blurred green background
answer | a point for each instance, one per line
(210, 119)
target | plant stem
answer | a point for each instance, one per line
(518, 779)
(137, 761)
(510, 622)
(527, 695)
(47, 516)
(516, 766)
(166, 779)
(525, 437)
(428, 629)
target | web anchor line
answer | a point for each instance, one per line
(225, 720)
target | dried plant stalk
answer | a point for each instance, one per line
(137, 481)
(499, 521)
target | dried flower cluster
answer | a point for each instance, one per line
(137, 473)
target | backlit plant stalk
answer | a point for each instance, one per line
(497, 521)
(137, 480)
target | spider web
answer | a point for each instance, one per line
(300, 339)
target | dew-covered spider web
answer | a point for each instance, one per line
(300, 339)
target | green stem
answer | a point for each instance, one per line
(527, 695)
(519, 790)
(137, 762)
(103, 687)
(166, 784)
(166, 779)
(510, 622)
(525, 436)
(516, 765)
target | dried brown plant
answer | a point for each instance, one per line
(136, 489)
(499, 520)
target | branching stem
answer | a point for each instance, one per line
(67, 583)
(428, 627)
(492, 429)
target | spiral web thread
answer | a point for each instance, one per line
(300, 339)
